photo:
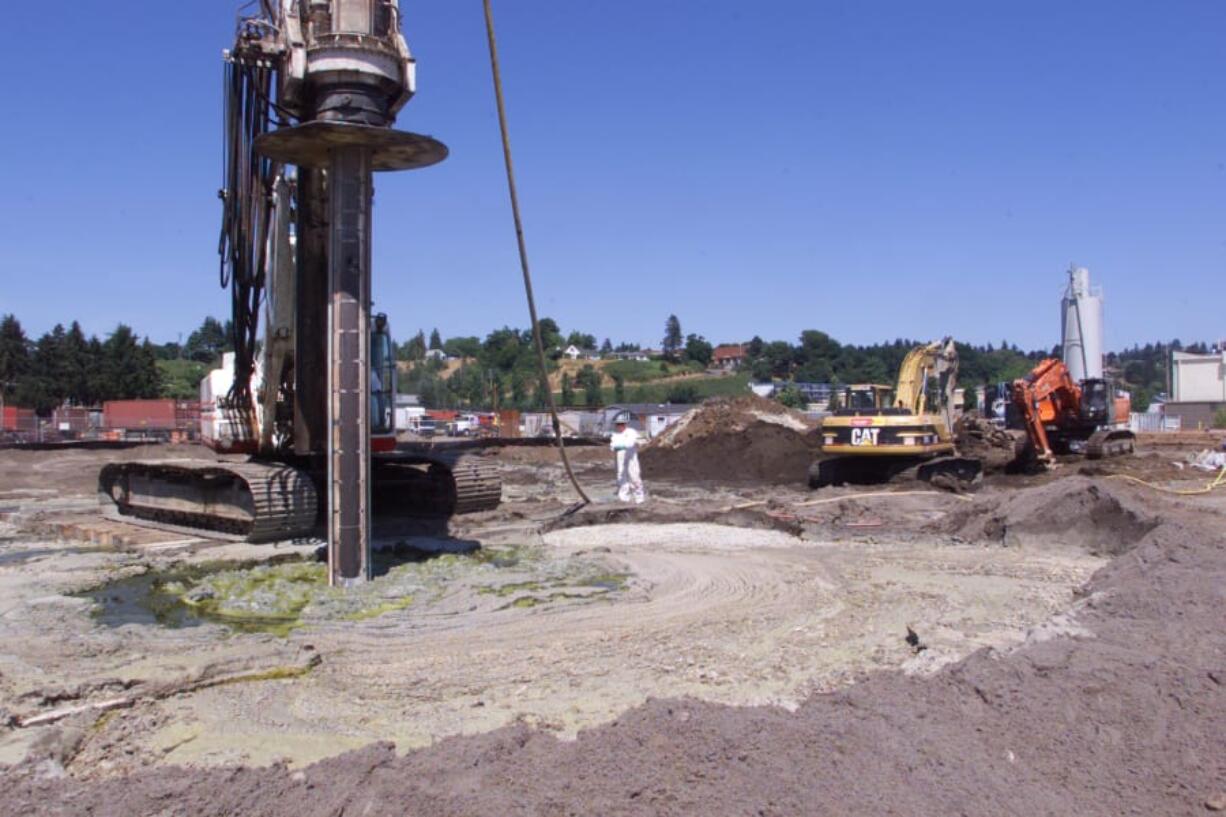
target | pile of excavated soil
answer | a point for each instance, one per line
(734, 439)
(1076, 512)
(1118, 707)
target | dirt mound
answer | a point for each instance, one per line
(1076, 511)
(735, 439)
(996, 448)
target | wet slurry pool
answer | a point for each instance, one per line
(278, 598)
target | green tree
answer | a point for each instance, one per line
(436, 340)
(519, 388)
(682, 393)
(1219, 419)
(671, 344)
(606, 348)
(207, 343)
(970, 399)
(568, 393)
(790, 397)
(551, 335)
(415, 348)
(79, 362)
(539, 399)
(46, 384)
(181, 378)
(14, 355)
(698, 349)
(760, 370)
(619, 388)
(590, 380)
(129, 368)
(815, 371)
(581, 340)
(778, 355)
(469, 386)
(99, 383)
(462, 347)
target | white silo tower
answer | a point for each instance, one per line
(1081, 315)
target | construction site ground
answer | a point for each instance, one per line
(1047, 644)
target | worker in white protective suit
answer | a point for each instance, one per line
(625, 445)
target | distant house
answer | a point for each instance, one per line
(436, 354)
(728, 356)
(648, 418)
(573, 352)
(639, 355)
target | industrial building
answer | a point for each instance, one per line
(1197, 388)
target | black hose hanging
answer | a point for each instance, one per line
(523, 252)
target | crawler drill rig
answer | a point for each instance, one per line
(312, 91)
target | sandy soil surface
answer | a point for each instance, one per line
(1066, 657)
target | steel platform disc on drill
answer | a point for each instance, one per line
(309, 145)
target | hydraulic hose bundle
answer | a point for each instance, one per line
(246, 214)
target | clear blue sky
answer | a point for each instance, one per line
(873, 170)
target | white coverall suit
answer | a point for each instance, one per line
(629, 478)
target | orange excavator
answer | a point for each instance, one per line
(1063, 416)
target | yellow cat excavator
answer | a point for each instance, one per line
(876, 436)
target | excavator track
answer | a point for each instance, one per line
(264, 502)
(950, 472)
(436, 482)
(1110, 442)
(247, 501)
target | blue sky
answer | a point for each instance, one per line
(871, 169)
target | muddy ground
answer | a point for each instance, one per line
(1052, 644)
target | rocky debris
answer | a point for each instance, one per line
(732, 440)
(996, 448)
(1208, 460)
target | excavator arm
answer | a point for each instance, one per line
(937, 359)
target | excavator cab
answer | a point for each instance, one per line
(864, 399)
(1096, 401)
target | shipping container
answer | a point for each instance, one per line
(140, 415)
(18, 420)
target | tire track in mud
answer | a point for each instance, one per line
(727, 615)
